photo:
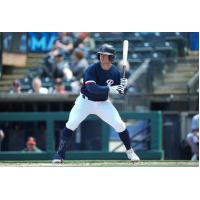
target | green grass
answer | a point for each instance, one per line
(100, 163)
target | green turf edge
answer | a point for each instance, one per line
(82, 155)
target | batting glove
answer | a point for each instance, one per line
(117, 89)
(124, 82)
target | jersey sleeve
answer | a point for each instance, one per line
(90, 75)
(118, 77)
(91, 85)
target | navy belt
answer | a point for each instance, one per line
(85, 97)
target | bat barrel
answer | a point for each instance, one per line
(125, 56)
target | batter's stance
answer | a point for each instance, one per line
(99, 80)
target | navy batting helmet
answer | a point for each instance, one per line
(106, 49)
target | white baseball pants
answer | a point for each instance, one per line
(103, 109)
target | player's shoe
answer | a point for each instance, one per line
(194, 157)
(57, 159)
(132, 155)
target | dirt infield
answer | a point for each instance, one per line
(100, 163)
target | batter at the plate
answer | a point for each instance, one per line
(99, 80)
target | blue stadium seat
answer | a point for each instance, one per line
(165, 44)
(47, 82)
(26, 83)
(97, 36)
(180, 39)
(173, 34)
(33, 72)
(113, 36)
(152, 37)
(158, 55)
(167, 48)
(67, 85)
(133, 37)
(143, 47)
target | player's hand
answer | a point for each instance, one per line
(124, 82)
(117, 89)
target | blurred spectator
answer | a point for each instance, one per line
(16, 87)
(37, 87)
(56, 67)
(193, 138)
(64, 43)
(78, 63)
(85, 42)
(59, 87)
(2, 135)
(76, 86)
(31, 146)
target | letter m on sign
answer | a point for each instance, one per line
(38, 44)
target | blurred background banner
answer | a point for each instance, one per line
(41, 42)
(41, 75)
(28, 42)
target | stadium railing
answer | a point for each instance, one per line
(155, 152)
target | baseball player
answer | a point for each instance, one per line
(99, 80)
(193, 138)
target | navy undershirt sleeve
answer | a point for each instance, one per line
(97, 89)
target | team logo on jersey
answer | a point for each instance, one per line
(109, 81)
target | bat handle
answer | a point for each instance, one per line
(124, 71)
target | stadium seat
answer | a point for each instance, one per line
(26, 84)
(180, 41)
(166, 48)
(152, 36)
(143, 47)
(67, 85)
(158, 46)
(113, 36)
(133, 37)
(47, 82)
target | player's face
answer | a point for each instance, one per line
(105, 61)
